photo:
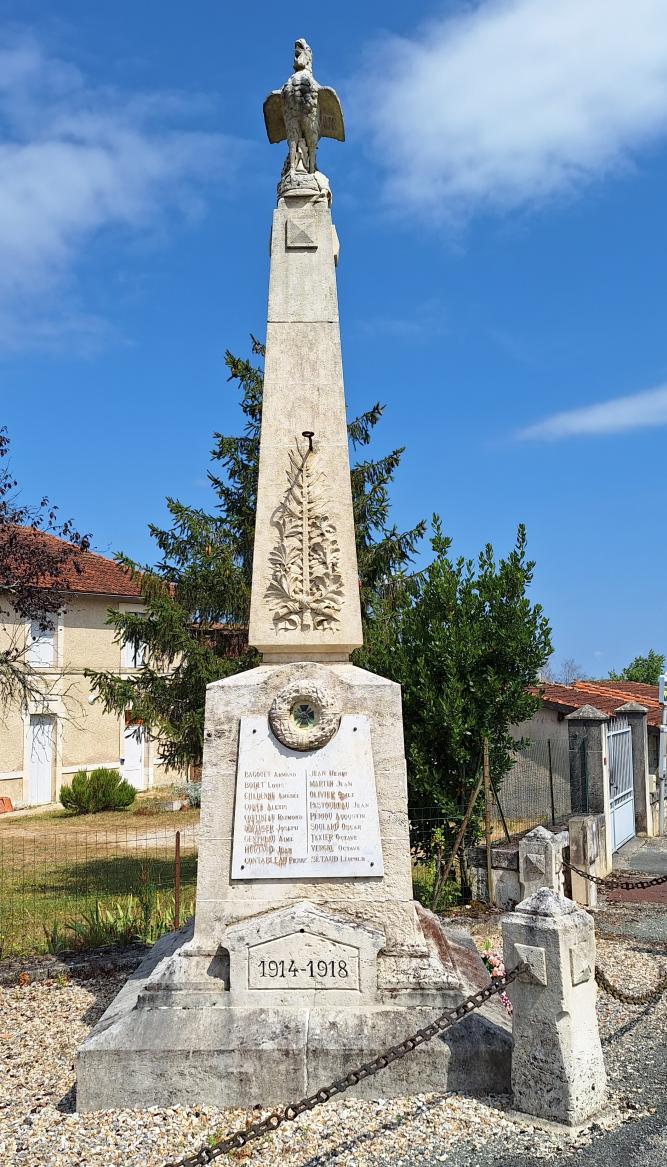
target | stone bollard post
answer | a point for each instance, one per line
(586, 839)
(540, 862)
(557, 1068)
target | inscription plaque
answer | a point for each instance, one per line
(306, 813)
(303, 961)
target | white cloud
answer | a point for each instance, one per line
(636, 411)
(76, 160)
(509, 102)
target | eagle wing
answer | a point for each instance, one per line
(273, 117)
(331, 114)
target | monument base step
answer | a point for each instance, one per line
(210, 1052)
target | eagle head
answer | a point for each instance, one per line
(303, 55)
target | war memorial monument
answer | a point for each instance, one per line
(308, 953)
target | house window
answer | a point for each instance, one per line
(132, 656)
(41, 645)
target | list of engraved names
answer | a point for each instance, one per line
(312, 814)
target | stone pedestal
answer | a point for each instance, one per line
(287, 981)
(381, 901)
(557, 1068)
(174, 1037)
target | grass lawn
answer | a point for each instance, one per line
(145, 814)
(57, 870)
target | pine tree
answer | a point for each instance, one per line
(197, 596)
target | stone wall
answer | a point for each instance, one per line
(505, 868)
(520, 867)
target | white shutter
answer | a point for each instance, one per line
(41, 645)
(131, 657)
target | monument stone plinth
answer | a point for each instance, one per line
(308, 953)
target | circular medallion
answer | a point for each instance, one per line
(302, 716)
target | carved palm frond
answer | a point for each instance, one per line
(305, 583)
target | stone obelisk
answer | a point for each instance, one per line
(308, 952)
(305, 593)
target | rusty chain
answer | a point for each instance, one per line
(601, 977)
(613, 882)
(241, 1137)
(645, 998)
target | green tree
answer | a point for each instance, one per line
(645, 670)
(197, 595)
(466, 643)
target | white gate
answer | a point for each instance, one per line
(621, 784)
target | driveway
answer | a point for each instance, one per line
(648, 856)
(642, 856)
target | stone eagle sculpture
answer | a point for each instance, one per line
(303, 112)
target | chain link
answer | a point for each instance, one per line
(644, 998)
(264, 1126)
(614, 882)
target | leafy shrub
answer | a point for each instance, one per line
(137, 919)
(439, 899)
(190, 791)
(101, 789)
(102, 926)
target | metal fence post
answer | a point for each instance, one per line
(487, 821)
(177, 880)
(500, 810)
(551, 784)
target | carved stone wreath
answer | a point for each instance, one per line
(303, 716)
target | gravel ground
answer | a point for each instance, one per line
(42, 1023)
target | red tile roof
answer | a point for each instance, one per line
(96, 575)
(606, 696)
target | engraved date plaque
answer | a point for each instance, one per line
(302, 953)
(303, 961)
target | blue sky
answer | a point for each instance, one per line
(501, 207)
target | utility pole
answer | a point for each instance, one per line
(662, 693)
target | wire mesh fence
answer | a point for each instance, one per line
(534, 792)
(81, 889)
(68, 890)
